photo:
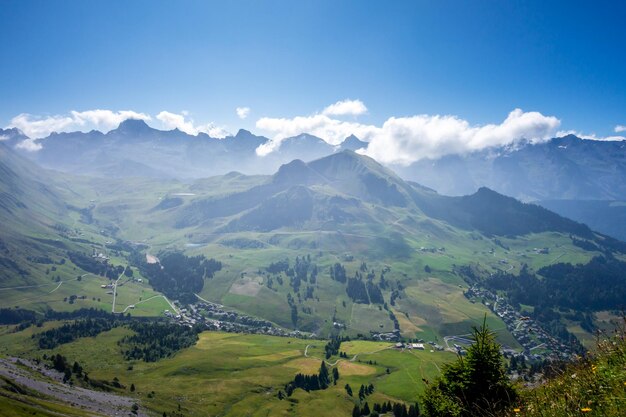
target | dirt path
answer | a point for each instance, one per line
(47, 383)
(354, 358)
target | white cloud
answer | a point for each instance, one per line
(3, 137)
(30, 145)
(183, 123)
(176, 121)
(345, 107)
(620, 128)
(591, 136)
(105, 120)
(242, 112)
(331, 130)
(36, 127)
(214, 131)
(407, 139)
(403, 140)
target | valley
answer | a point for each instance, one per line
(312, 209)
(265, 269)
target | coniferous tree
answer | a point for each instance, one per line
(324, 380)
(476, 385)
(414, 410)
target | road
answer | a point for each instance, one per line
(306, 355)
(460, 338)
(39, 286)
(115, 289)
(559, 257)
(208, 302)
(148, 299)
(21, 287)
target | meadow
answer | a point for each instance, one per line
(230, 374)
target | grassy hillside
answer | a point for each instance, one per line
(593, 386)
(401, 239)
(233, 374)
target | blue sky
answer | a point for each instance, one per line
(478, 60)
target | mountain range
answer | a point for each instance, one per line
(342, 209)
(562, 168)
(566, 169)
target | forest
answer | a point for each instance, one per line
(179, 276)
(597, 285)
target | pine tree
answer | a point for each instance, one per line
(472, 386)
(414, 410)
(356, 412)
(366, 410)
(323, 376)
(348, 389)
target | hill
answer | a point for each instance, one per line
(340, 244)
(30, 207)
(606, 216)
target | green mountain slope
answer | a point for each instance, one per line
(400, 245)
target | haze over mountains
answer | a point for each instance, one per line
(344, 203)
(565, 168)
(339, 245)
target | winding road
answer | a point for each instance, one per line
(306, 355)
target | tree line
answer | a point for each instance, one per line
(315, 382)
(395, 409)
(597, 285)
(155, 340)
(178, 276)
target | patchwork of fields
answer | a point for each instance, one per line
(236, 374)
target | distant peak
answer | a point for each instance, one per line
(567, 139)
(133, 125)
(242, 133)
(486, 190)
(488, 193)
(296, 172)
(353, 143)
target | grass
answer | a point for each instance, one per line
(366, 317)
(430, 307)
(20, 405)
(235, 374)
(594, 386)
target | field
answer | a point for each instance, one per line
(236, 375)
(417, 252)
